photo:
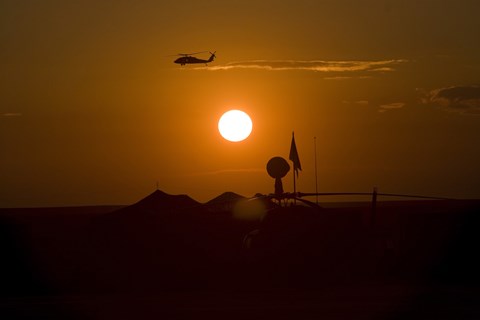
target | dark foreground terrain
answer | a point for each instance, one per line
(171, 257)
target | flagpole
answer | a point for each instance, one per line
(316, 176)
(294, 171)
(294, 188)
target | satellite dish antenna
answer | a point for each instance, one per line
(277, 168)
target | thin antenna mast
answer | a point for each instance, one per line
(316, 176)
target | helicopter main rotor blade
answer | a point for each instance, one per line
(189, 54)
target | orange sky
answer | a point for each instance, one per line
(93, 111)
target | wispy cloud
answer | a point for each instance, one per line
(391, 106)
(460, 99)
(11, 114)
(358, 102)
(311, 65)
(362, 102)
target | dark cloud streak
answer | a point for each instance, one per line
(11, 114)
(461, 99)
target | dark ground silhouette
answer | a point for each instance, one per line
(170, 255)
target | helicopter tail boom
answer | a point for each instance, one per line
(212, 57)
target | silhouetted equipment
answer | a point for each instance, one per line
(188, 58)
(277, 168)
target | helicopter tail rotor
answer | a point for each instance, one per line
(212, 57)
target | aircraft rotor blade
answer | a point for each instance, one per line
(189, 54)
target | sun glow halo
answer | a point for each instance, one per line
(235, 125)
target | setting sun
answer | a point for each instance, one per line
(235, 125)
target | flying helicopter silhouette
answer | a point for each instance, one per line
(188, 58)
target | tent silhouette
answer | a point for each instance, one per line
(161, 201)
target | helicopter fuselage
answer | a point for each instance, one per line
(187, 59)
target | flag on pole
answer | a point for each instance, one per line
(294, 156)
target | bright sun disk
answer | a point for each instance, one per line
(235, 125)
